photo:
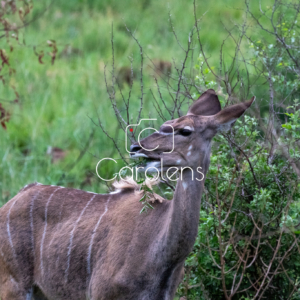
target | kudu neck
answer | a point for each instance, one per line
(190, 185)
(189, 188)
(185, 209)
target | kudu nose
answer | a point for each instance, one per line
(135, 148)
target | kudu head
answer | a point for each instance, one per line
(185, 142)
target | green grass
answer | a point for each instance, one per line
(58, 101)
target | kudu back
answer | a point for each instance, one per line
(60, 243)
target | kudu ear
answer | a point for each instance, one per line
(229, 115)
(208, 104)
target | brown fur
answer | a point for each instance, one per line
(59, 243)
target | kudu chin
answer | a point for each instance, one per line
(61, 243)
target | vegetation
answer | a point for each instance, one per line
(56, 101)
(86, 66)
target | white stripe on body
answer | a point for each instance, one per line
(60, 216)
(72, 236)
(45, 229)
(92, 238)
(8, 228)
(31, 221)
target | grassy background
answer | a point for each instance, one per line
(58, 101)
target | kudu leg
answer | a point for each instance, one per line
(10, 289)
(13, 285)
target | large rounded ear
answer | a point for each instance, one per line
(229, 115)
(208, 104)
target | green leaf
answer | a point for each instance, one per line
(149, 205)
(287, 126)
(142, 198)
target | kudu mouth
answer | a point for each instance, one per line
(137, 151)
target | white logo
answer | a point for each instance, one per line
(129, 128)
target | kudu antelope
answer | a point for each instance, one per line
(60, 243)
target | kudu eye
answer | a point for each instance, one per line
(185, 132)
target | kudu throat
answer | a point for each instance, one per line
(183, 219)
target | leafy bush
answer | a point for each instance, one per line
(248, 240)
